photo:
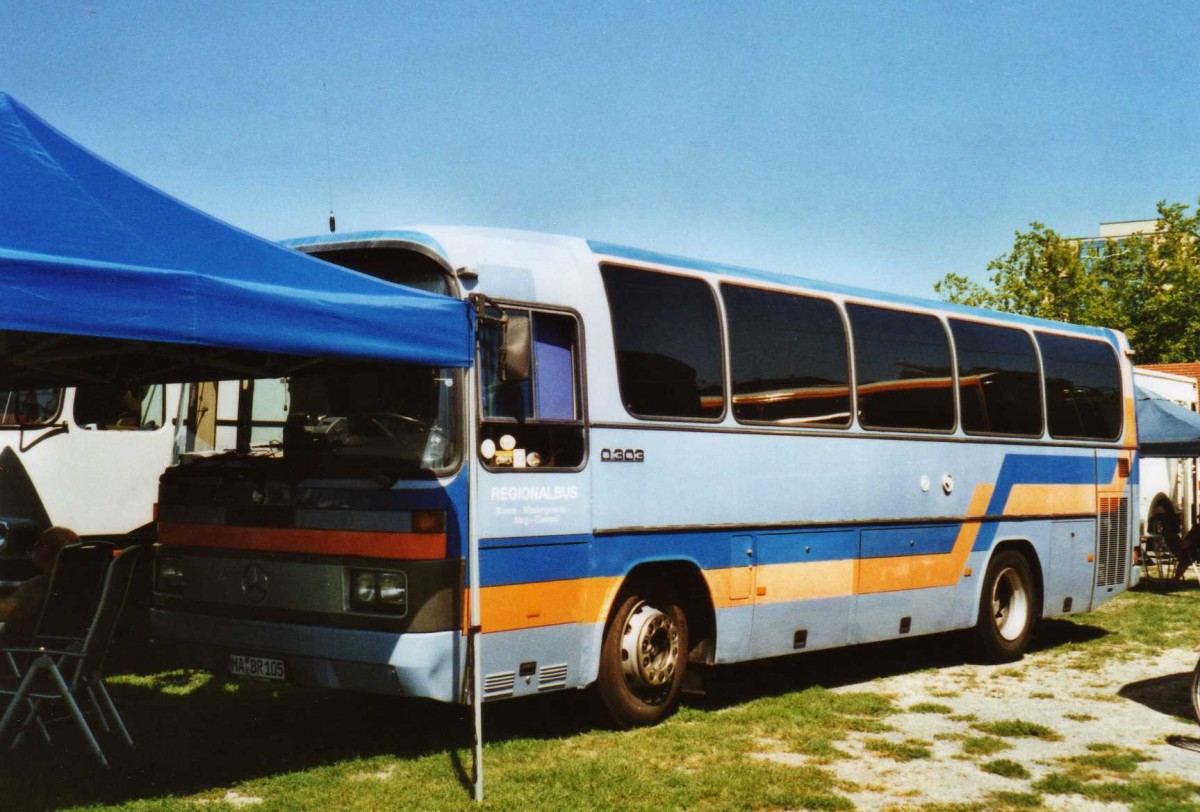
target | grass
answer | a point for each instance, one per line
(984, 745)
(1005, 767)
(1149, 793)
(1018, 729)
(769, 739)
(907, 750)
(1080, 717)
(930, 707)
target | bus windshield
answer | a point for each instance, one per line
(334, 418)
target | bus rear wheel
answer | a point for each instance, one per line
(1007, 608)
(643, 658)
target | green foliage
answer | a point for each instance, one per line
(1146, 285)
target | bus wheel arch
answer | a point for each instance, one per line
(1010, 602)
(661, 615)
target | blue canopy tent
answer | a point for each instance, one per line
(125, 278)
(1165, 429)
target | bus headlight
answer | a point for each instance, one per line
(391, 588)
(364, 587)
(168, 575)
(379, 591)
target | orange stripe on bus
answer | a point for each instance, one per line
(546, 603)
(402, 546)
(792, 582)
(1050, 500)
(920, 571)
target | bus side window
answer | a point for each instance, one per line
(998, 386)
(788, 356)
(668, 342)
(903, 363)
(118, 407)
(1083, 387)
(540, 420)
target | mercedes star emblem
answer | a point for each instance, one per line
(254, 583)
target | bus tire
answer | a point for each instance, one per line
(643, 658)
(1007, 609)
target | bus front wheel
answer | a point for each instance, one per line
(643, 658)
(1007, 609)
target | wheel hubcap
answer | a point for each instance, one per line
(1010, 604)
(649, 651)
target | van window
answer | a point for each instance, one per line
(116, 407)
(668, 343)
(29, 407)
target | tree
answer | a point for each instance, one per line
(1147, 285)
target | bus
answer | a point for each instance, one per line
(659, 462)
(86, 457)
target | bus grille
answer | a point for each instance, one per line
(552, 676)
(1114, 542)
(496, 686)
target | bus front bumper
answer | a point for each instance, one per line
(426, 665)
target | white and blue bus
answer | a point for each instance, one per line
(658, 461)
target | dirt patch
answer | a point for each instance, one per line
(1141, 705)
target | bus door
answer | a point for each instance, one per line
(533, 500)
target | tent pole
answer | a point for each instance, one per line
(475, 629)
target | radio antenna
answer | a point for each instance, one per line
(328, 156)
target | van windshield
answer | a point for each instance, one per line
(334, 418)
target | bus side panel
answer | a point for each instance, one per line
(929, 511)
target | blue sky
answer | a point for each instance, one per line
(878, 144)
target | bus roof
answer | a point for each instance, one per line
(437, 237)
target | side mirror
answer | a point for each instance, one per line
(516, 355)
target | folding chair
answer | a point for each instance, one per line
(72, 671)
(67, 610)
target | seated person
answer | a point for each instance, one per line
(19, 612)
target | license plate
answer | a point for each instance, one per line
(256, 667)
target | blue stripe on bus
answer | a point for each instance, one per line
(892, 542)
(792, 546)
(549, 558)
